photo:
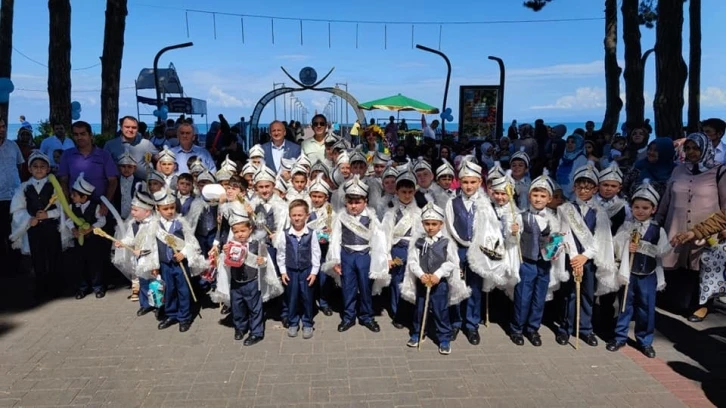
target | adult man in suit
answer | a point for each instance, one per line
(278, 148)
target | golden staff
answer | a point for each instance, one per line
(486, 311)
(50, 202)
(635, 239)
(101, 233)
(169, 239)
(422, 332)
(578, 282)
(510, 192)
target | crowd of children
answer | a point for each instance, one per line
(440, 239)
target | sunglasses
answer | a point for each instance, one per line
(318, 123)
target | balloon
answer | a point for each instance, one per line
(75, 115)
(446, 115)
(6, 88)
(76, 106)
(162, 113)
(82, 224)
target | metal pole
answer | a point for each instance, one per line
(156, 65)
(448, 79)
(500, 108)
(284, 106)
(274, 86)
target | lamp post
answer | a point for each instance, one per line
(275, 85)
(156, 70)
(344, 84)
(448, 79)
(500, 96)
(291, 98)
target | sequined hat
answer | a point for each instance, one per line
(164, 197)
(446, 169)
(237, 214)
(355, 187)
(319, 185)
(281, 185)
(381, 158)
(646, 191)
(156, 175)
(432, 212)
(286, 164)
(264, 174)
(124, 160)
(298, 169)
(197, 166)
(167, 156)
(303, 160)
(224, 174)
(501, 183)
(588, 172)
(421, 164)
(358, 156)
(406, 175)
(390, 171)
(321, 167)
(544, 181)
(612, 173)
(38, 155)
(229, 165)
(249, 168)
(469, 168)
(520, 155)
(82, 186)
(495, 171)
(143, 200)
(207, 176)
(343, 157)
(256, 151)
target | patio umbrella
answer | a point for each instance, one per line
(399, 103)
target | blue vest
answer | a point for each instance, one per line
(183, 209)
(402, 243)
(644, 264)
(617, 221)
(246, 273)
(269, 216)
(434, 256)
(348, 237)
(166, 254)
(298, 254)
(590, 221)
(463, 219)
(532, 239)
(207, 222)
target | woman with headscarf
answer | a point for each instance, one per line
(487, 154)
(657, 166)
(636, 147)
(573, 158)
(696, 189)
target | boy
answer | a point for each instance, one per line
(519, 165)
(167, 166)
(374, 179)
(427, 191)
(127, 184)
(320, 220)
(298, 257)
(257, 156)
(510, 222)
(358, 163)
(388, 182)
(495, 172)
(88, 257)
(286, 166)
(35, 225)
(223, 175)
(590, 250)
(398, 223)
(434, 263)
(184, 195)
(539, 224)
(228, 165)
(341, 173)
(202, 215)
(444, 178)
(182, 258)
(248, 171)
(646, 275)
(155, 181)
(356, 257)
(281, 188)
(298, 185)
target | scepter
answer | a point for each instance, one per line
(635, 239)
(171, 242)
(510, 192)
(578, 283)
(422, 332)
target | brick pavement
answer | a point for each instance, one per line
(98, 353)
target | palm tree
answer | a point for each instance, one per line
(6, 48)
(113, 51)
(59, 61)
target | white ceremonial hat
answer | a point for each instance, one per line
(143, 200)
(341, 144)
(197, 166)
(381, 158)
(469, 168)
(223, 174)
(520, 155)
(343, 157)
(256, 151)
(331, 138)
(432, 212)
(646, 191)
(406, 175)
(544, 181)
(237, 214)
(207, 176)
(229, 165)
(281, 185)
(355, 187)
(298, 169)
(421, 164)
(319, 185)
(587, 171)
(303, 160)
(286, 164)
(164, 197)
(249, 168)
(390, 171)
(495, 171)
(38, 155)
(612, 173)
(83, 186)
(446, 169)
(321, 167)
(157, 176)
(212, 192)
(501, 183)
(125, 159)
(166, 156)
(264, 174)
(358, 156)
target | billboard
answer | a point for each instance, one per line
(478, 106)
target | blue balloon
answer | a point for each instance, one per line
(75, 115)
(6, 85)
(446, 115)
(164, 109)
(75, 106)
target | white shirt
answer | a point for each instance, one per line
(277, 153)
(100, 219)
(429, 133)
(315, 255)
(719, 153)
(52, 143)
(314, 150)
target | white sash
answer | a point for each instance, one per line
(162, 235)
(403, 226)
(578, 226)
(354, 225)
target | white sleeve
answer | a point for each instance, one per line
(281, 255)
(53, 214)
(413, 264)
(100, 219)
(451, 264)
(316, 253)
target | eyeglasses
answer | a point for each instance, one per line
(318, 123)
(584, 188)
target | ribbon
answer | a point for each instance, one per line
(80, 223)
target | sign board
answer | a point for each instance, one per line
(189, 106)
(478, 106)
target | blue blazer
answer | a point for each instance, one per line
(291, 151)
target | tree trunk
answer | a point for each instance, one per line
(113, 51)
(633, 75)
(613, 103)
(694, 66)
(59, 62)
(6, 48)
(670, 70)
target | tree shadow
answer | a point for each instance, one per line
(7, 327)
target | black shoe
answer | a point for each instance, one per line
(397, 325)
(343, 326)
(80, 294)
(100, 294)
(326, 311)
(517, 339)
(143, 310)
(692, 318)
(615, 345)
(590, 339)
(224, 309)
(159, 314)
(562, 339)
(252, 340)
(238, 334)
(648, 351)
(167, 323)
(473, 337)
(455, 333)
(372, 326)
(184, 326)
(285, 323)
(534, 338)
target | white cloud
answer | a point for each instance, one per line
(217, 97)
(561, 70)
(584, 98)
(712, 96)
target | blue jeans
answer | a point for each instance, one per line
(530, 295)
(397, 273)
(641, 303)
(587, 296)
(357, 296)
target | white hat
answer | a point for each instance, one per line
(281, 185)
(303, 160)
(256, 151)
(341, 144)
(342, 158)
(207, 176)
(83, 186)
(544, 181)
(432, 212)
(381, 158)
(501, 183)
(286, 164)
(446, 169)
(167, 155)
(164, 197)
(197, 166)
(421, 164)
(229, 165)
(469, 168)
(587, 171)
(319, 185)
(237, 213)
(331, 138)
(390, 171)
(646, 191)
(358, 156)
(223, 174)
(143, 200)
(298, 169)
(321, 167)
(249, 168)
(495, 171)
(520, 155)
(264, 174)
(38, 155)
(612, 173)
(355, 187)
(124, 160)
(157, 176)
(406, 175)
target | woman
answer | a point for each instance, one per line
(657, 166)
(697, 188)
(505, 151)
(636, 147)
(444, 154)
(26, 145)
(487, 155)
(373, 136)
(573, 158)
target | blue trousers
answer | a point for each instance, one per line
(530, 295)
(357, 297)
(300, 299)
(439, 307)
(468, 314)
(324, 281)
(641, 303)
(177, 296)
(397, 273)
(587, 297)
(144, 292)
(246, 303)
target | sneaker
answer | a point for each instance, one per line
(307, 333)
(413, 341)
(292, 331)
(445, 348)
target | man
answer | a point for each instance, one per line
(24, 123)
(391, 133)
(96, 164)
(429, 132)
(314, 148)
(590, 130)
(403, 126)
(714, 128)
(130, 139)
(187, 148)
(10, 160)
(57, 141)
(278, 148)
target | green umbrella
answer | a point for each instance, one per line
(399, 103)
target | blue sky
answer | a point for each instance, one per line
(554, 70)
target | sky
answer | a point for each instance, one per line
(554, 70)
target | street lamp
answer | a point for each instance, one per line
(156, 70)
(274, 86)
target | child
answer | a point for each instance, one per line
(590, 250)
(35, 226)
(388, 196)
(321, 220)
(127, 184)
(519, 164)
(539, 224)
(646, 275)
(286, 166)
(281, 188)
(398, 223)
(356, 257)
(358, 163)
(298, 185)
(495, 172)
(427, 191)
(257, 156)
(434, 263)
(89, 256)
(374, 179)
(341, 173)
(202, 216)
(558, 197)
(248, 171)
(182, 258)
(445, 177)
(298, 257)
(139, 232)
(167, 167)
(615, 155)
(184, 195)
(155, 182)
(510, 221)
